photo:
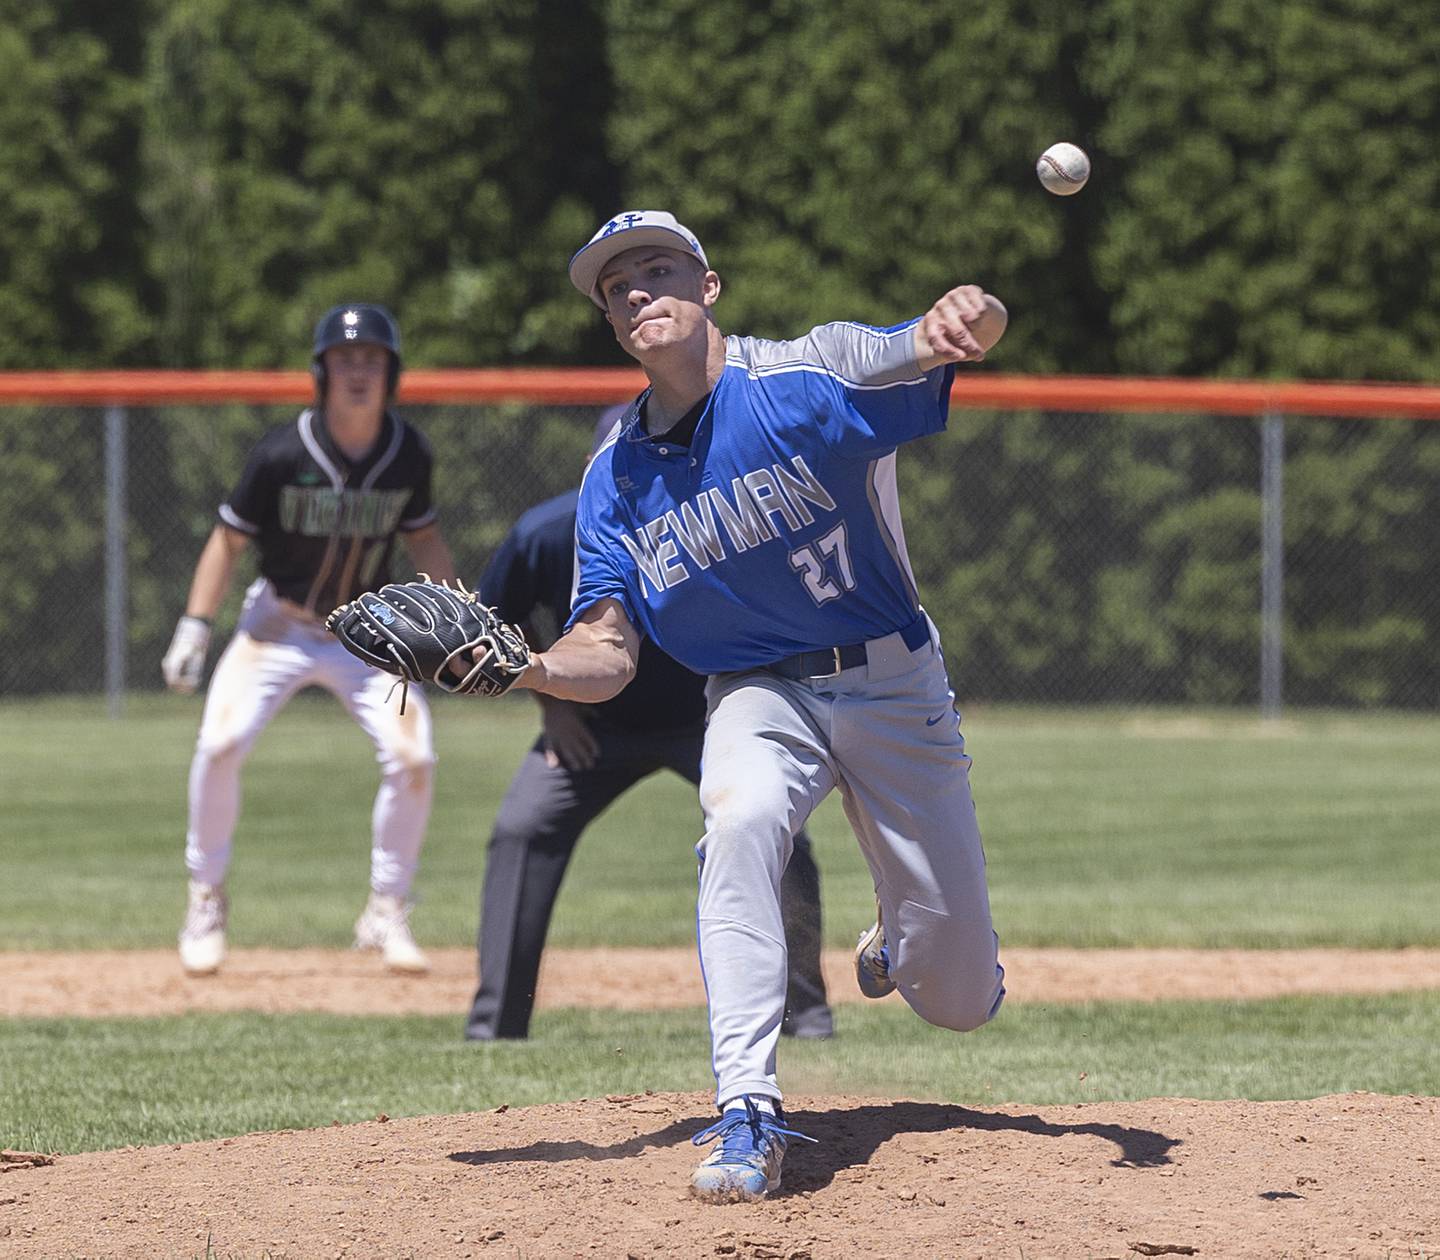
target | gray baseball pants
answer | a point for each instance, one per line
(886, 734)
(545, 810)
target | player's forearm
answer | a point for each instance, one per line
(213, 573)
(938, 341)
(585, 666)
(925, 357)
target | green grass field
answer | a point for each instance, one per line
(1102, 828)
(93, 1084)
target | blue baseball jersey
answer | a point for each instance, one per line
(777, 529)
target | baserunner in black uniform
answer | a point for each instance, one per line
(322, 498)
(585, 758)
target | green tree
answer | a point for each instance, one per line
(71, 259)
(841, 167)
(409, 152)
(1273, 198)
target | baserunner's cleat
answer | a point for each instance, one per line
(202, 939)
(385, 925)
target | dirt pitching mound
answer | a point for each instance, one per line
(1339, 1176)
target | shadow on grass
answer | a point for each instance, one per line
(848, 1138)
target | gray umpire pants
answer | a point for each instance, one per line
(541, 818)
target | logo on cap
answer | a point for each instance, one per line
(620, 224)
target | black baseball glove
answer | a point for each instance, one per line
(427, 632)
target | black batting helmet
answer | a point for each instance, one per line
(355, 322)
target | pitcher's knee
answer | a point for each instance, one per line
(958, 1007)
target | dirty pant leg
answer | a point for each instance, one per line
(405, 751)
(799, 896)
(762, 775)
(251, 683)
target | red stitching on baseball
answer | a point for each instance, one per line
(1060, 170)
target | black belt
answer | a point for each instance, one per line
(826, 662)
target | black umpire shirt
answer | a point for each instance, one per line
(324, 526)
(530, 580)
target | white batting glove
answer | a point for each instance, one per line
(184, 660)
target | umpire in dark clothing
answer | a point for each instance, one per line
(585, 758)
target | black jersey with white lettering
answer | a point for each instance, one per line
(324, 525)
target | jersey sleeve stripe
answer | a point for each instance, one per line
(785, 369)
(419, 522)
(759, 358)
(228, 516)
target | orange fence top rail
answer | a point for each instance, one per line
(1211, 397)
(580, 386)
(419, 385)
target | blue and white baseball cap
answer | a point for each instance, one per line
(627, 231)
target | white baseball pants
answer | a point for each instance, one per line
(275, 652)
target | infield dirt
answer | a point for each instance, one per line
(1346, 1175)
(343, 982)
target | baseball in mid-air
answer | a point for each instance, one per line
(1063, 168)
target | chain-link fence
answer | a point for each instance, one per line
(1096, 558)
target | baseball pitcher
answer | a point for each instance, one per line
(745, 517)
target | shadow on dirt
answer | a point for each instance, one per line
(559, 1152)
(848, 1137)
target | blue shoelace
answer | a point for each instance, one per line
(743, 1132)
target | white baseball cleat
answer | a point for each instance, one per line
(385, 925)
(202, 939)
